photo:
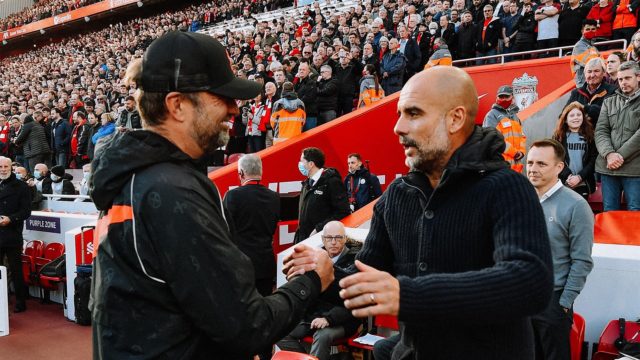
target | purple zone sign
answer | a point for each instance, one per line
(44, 224)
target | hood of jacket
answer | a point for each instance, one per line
(512, 109)
(481, 152)
(133, 151)
(290, 101)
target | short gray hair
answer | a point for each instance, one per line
(326, 68)
(250, 164)
(630, 65)
(595, 61)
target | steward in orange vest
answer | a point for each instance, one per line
(583, 51)
(503, 117)
(288, 115)
(442, 55)
(370, 89)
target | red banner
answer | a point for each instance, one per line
(93, 9)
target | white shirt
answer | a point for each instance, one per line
(551, 191)
(316, 176)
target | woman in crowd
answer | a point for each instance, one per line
(575, 132)
(370, 89)
(104, 134)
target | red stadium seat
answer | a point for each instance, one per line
(290, 355)
(603, 355)
(33, 250)
(577, 336)
(611, 333)
(51, 251)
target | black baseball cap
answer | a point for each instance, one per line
(192, 62)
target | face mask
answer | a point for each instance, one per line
(589, 34)
(55, 178)
(436, 47)
(86, 175)
(36, 174)
(504, 102)
(432, 31)
(18, 176)
(303, 170)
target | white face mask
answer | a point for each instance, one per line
(86, 175)
(432, 31)
(55, 178)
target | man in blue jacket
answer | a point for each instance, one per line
(362, 186)
(60, 137)
(392, 68)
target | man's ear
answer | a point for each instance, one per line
(457, 119)
(176, 106)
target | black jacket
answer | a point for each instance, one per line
(362, 187)
(348, 80)
(414, 56)
(466, 41)
(136, 123)
(169, 264)
(91, 146)
(255, 212)
(67, 186)
(81, 132)
(526, 27)
(327, 94)
(61, 136)
(588, 165)
(306, 90)
(491, 35)
(325, 201)
(592, 101)
(330, 305)
(474, 251)
(15, 202)
(32, 139)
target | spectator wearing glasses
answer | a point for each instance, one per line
(327, 319)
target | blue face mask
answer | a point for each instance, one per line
(18, 176)
(36, 174)
(303, 170)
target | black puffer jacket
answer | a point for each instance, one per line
(32, 139)
(325, 201)
(307, 90)
(15, 202)
(472, 251)
(169, 283)
(327, 95)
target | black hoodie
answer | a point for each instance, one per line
(168, 280)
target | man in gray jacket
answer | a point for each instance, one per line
(570, 227)
(618, 141)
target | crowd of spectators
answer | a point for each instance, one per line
(42, 9)
(335, 61)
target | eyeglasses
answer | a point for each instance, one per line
(333, 239)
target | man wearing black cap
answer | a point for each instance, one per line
(168, 262)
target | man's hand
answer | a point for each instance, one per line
(305, 258)
(319, 323)
(370, 292)
(121, 129)
(385, 75)
(574, 180)
(614, 161)
(4, 220)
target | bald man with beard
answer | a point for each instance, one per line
(458, 248)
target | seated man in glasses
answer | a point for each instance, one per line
(327, 319)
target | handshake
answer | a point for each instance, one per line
(369, 292)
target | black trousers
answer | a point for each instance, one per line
(383, 349)
(15, 268)
(551, 329)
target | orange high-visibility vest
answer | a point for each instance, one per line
(516, 142)
(369, 96)
(287, 124)
(624, 18)
(445, 61)
(583, 58)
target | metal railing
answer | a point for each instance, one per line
(58, 197)
(561, 50)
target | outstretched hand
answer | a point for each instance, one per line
(370, 292)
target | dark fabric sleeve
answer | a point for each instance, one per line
(518, 284)
(188, 240)
(24, 209)
(68, 188)
(339, 202)
(589, 167)
(377, 251)
(375, 186)
(67, 135)
(83, 141)
(339, 315)
(24, 133)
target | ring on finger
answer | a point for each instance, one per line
(372, 297)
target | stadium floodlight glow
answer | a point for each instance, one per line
(86, 19)
(139, 3)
